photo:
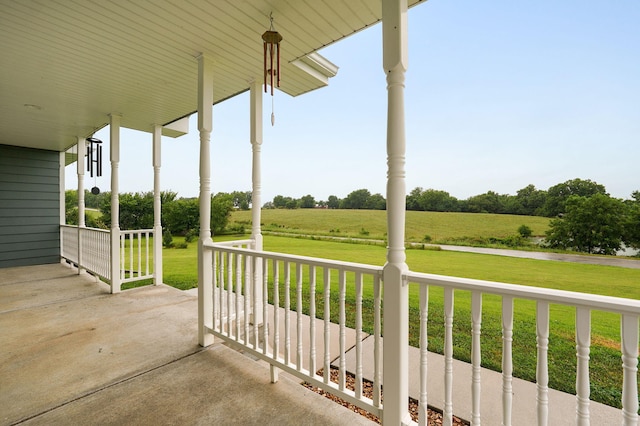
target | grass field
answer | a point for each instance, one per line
(440, 227)
(606, 373)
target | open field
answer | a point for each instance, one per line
(606, 374)
(440, 227)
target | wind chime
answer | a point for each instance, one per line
(94, 161)
(271, 42)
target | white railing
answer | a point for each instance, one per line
(584, 304)
(291, 284)
(90, 249)
(95, 251)
(87, 248)
(69, 243)
(136, 255)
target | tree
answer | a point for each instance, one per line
(590, 224)
(333, 202)
(413, 199)
(181, 216)
(438, 201)
(558, 195)
(376, 202)
(221, 208)
(490, 202)
(281, 202)
(632, 221)
(531, 200)
(241, 200)
(356, 200)
(307, 202)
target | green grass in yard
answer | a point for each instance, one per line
(180, 270)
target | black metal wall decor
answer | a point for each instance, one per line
(94, 160)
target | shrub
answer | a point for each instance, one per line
(167, 239)
(427, 239)
(524, 231)
(182, 245)
(190, 235)
(364, 231)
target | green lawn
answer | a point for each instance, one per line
(180, 270)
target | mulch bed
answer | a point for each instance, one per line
(434, 416)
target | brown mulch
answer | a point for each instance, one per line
(434, 416)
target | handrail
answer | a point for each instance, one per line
(587, 300)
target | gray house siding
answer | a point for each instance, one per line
(29, 206)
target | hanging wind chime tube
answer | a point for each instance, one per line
(271, 39)
(94, 163)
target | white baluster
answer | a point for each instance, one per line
(424, 315)
(122, 264)
(221, 289)
(131, 267)
(629, 332)
(583, 343)
(276, 320)
(139, 234)
(299, 316)
(238, 292)
(276, 308)
(214, 307)
(377, 368)
(248, 289)
(542, 370)
(265, 305)
(146, 241)
(229, 290)
(287, 312)
(476, 356)
(447, 415)
(358, 383)
(343, 361)
(312, 319)
(327, 320)
(507, 359)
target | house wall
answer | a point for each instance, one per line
(29, 206)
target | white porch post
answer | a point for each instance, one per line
(157, 207)
(114, 136)
(256, 195)
(205, 272)
(82, 150)
(81, 147)
(62, 206)
(396, 301)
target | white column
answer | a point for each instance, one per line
(205, 273)
(114, 136)
(62, 206)
(81, 163)
(256, 195)
(81, 147)
(396, 301)
(157, 207)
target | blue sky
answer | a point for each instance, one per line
(499, 95)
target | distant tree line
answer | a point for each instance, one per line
(586, 217)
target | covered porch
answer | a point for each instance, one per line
(129, 355)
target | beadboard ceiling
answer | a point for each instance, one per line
(67, 64)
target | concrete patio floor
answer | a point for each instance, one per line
(71, 353)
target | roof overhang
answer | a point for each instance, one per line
(67, 65)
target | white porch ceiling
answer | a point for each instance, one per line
(67, 64)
